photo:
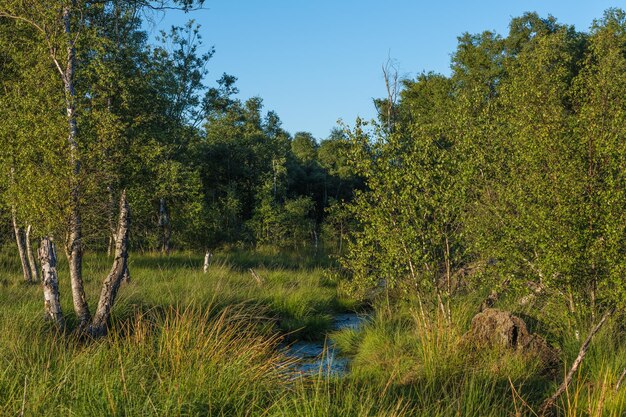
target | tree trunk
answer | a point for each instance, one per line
(207, 258)
(110, 246)
(74, 255)
(119, 269)
(34, 271)
(448, 268)
(166, 239)
(164, 224)
(126, 276)
(73, 246)
(48, 259)
(21, 249)
(111, 219)
(341, 239)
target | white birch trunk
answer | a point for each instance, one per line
(34, 271)
(73, 247)
(126, 276)
(48, 259)
(21, 249)
(111, 219)
(207, 258)
(119, 270)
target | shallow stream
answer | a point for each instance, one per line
(323, 356)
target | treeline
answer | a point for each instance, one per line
(509, 173)
(510, 170)
(92, 108)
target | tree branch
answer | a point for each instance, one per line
(23, 19)
(546, 407)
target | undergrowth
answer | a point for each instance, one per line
(185, 343)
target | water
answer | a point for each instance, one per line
(324, 357)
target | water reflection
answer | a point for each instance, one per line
(323, 356)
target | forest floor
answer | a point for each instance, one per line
(218, 344)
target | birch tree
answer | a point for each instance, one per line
(62, 31)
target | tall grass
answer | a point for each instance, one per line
(171, 362)
(429, 356)
(184, 343)
(301, 301)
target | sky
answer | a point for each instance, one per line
(315, 62)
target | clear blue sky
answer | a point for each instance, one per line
(314, 62)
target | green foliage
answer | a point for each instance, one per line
(409, 216)
(304, 147)
(280, 185)
(286, 225)
(543, 211)
(516, 160)
(134, 106)
(26, 163)
(511, 169)
(337, 225)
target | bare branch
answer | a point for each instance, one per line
(546, 407)
(390, 74)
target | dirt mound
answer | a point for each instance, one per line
(497, 328)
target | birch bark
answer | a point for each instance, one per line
(34, 272)
(119, 270)
(21, 248)
(48, 259)
(73, 245)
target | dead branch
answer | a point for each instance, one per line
(547, 406)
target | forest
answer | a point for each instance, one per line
(168, 249)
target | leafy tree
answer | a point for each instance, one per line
(304, 147)
(515, 160)
(72, 47)
(598, 96)
(523, 218)
(409, 214)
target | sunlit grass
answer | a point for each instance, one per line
(428, 356)
(187, 343)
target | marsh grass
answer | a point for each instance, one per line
(429, 356)
(181, 342)
(190, 361)
(184, 343)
